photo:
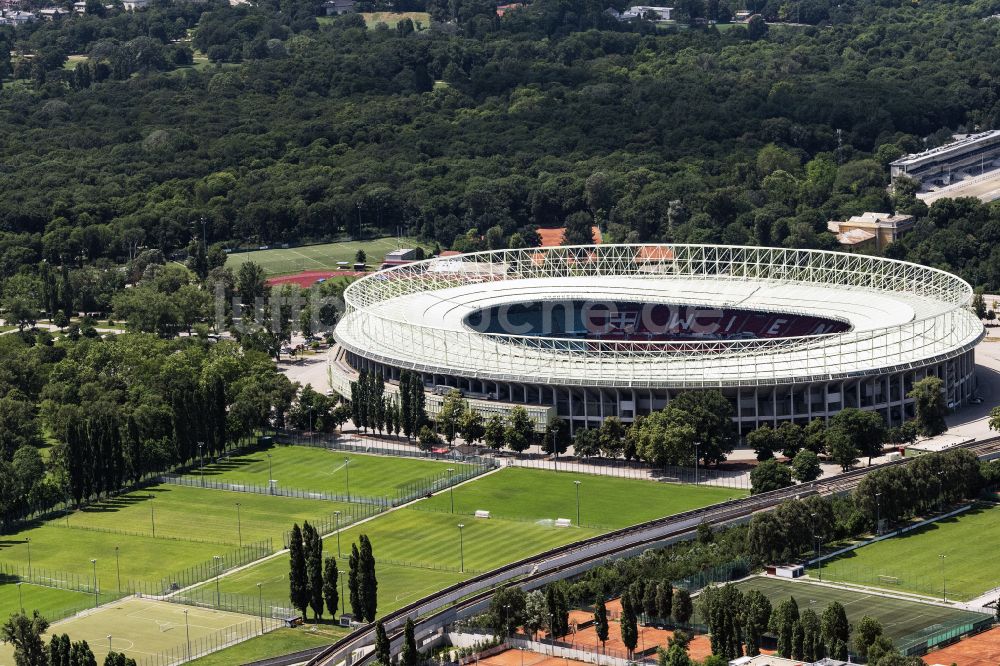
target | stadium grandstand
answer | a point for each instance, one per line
(974, 154)
(594, 331)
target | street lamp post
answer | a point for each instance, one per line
(696, 445)
(944, 583)
(461, 546)
(260, 606)
(451, 488)
(577, 484)
(340, 575)
(97, 602)
(270, 476)
(187, 633)
(239, 525)
(218, 573)
(878, 514)
(201, 454)
(347, 471)
(118, 570)
(336, 517)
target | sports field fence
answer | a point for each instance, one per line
(191, 649)
(634, 469)
(548, 522)
(275, 490)
(925, 640)
(726, 572)
(931, 584)
(337, 521)
(378, 446)
(210, 596)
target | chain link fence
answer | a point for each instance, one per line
(191, 649)
(276, 490)
(338, 520)
(633, 469)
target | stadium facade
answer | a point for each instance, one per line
(594, 331)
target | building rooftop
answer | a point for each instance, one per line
(964, 142)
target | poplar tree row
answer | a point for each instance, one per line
(361, 581)
(372, 409)
(311, 580)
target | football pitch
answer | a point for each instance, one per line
(326, 470)
(192, 526)
(899, 617)
(912, 562)
(279, 261)
(142, 628)
(524, 505)
(605, 502)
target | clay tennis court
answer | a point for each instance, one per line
(649, 637)
(979, 650)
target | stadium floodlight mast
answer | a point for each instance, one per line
(20, 599)
(577, 484)
(260, 605)
(336, 517)
(109, 642)
(878, 514)
(944, 582)
(461, 546)
(218, 573)
(451, 487)
(819, 562)
(187, 633)
(347, 471)
(696, 445)
(270, 476)
(239, 525)
(201, 454)
(152, 516)
(118, 570)
(27, 540)
(97, 602)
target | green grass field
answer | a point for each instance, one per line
(606, 502)
(49, 601)
(323, 470)
(142, 628)
(273, 644)
(372, 19)
(427, 535)
(899, 617)
(911, 562)
(192, 525)
(281, 261)
(397, 586)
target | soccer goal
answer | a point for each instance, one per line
(888, 580)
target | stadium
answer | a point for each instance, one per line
(589, 332)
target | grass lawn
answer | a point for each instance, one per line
(605, 502)
(49, 601)
(899, 617)
(143, 629)
(968, 542)
(533, 498)
(324, 470)
(273, 644)
(192, 525)
(279, 261)
(372, 19)
(397, 586)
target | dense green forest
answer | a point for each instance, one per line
(302, 131)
